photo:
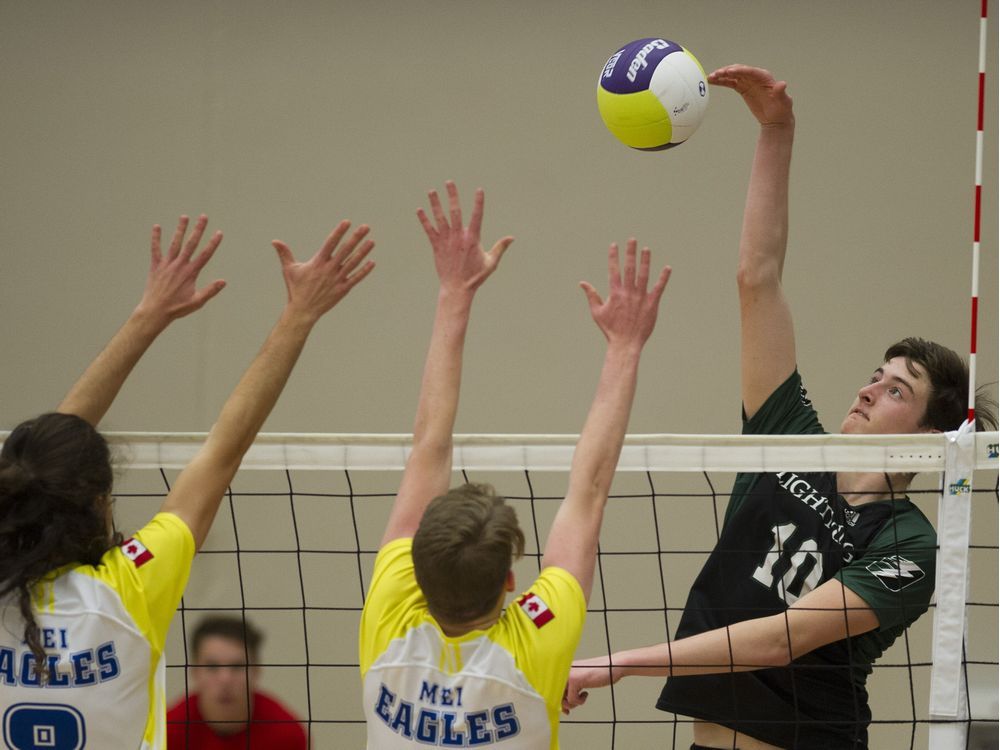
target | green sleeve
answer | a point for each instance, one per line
(787, 411)
(895, 575)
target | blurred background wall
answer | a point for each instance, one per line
(278, 120)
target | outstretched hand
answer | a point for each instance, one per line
(629, 312)
(459, 258)
(316, 285)
(766, 97)
(172, 283)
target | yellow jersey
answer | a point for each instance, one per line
(501, 686)
(103, 629)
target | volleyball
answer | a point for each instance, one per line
(652, 94)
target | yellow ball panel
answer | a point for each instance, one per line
(637, 120)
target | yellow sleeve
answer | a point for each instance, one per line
(545, 645)
(150, 572)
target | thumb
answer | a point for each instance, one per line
(284, 253)
(209, 291)
(498, 249)
(593, 298)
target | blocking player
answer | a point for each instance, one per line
(84, 615)
(814, 574)
(442, 661)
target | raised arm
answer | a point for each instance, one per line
(314, 287)
(626, 318)
(171, 292)
(828, 613)
(768, 337)
(462, 266)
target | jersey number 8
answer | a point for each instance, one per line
(31, 726)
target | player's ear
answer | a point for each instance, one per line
(510, 583)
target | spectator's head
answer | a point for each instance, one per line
(224, 658)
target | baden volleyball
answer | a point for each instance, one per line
(652, 94)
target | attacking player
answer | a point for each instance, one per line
(442, 662)
(814, 574)
(84, 615)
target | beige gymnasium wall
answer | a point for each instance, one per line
(277, 120)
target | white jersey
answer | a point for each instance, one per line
(103, 628)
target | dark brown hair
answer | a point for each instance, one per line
(229, 627)
(55, 493)
(947, 404)
(463, 550)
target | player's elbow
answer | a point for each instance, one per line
(784, 639)
(773, 654)
(757, 275)
(775, 650)
(779, 656)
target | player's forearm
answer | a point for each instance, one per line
(258, 390)
(599, 447)
(764, 236)
(92, 395)
(428, 467)
(441, 383)
(744, 647)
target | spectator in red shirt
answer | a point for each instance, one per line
(226, 705)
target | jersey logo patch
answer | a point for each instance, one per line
(136, 551)
(896, 572)
(803, 398)
(536, 610)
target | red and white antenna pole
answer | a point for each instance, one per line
(977, 221)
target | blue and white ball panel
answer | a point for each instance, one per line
(679, 83)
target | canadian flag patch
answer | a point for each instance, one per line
(136, 551)
(536, 610)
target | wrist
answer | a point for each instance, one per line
(624, 352)
(456, 298)
(297, 318)
(149, 321)
(785, 128)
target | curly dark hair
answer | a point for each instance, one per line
(55, 495)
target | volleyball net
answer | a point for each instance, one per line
(294, 543)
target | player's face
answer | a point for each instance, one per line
(893, 401)
(224, 683)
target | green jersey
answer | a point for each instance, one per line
(784, 534)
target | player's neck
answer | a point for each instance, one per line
(858, 488)
(458, 629)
